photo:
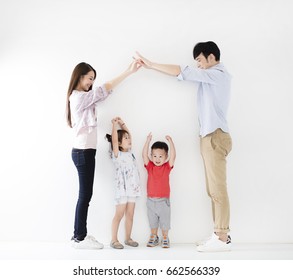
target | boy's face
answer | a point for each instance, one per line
(204, 63)
(159, 156)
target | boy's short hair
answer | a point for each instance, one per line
(206, 48)
(160, 145)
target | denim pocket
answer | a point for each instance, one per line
(78, 157)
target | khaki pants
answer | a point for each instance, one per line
(214, 149)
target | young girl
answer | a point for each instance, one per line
(127, 185)
(81, 116)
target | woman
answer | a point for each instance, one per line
(81, 116)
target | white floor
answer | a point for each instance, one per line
(63, 251)
(47, 261)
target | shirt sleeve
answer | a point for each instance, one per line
(195, 74)
(115, 159)
(148, 166)
(168, 166)
(93, 96)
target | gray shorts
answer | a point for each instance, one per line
(159, 212)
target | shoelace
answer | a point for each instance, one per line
(153, 239)
(165, 241)
(92, 239)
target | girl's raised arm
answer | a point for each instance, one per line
(145, 151)
(123, 126)
(115, 142)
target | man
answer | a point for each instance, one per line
(215, 142)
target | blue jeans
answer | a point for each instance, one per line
(84, 160)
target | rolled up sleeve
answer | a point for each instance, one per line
(100, 93)
(195, 74)
(91, 97)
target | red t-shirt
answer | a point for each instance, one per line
(158, 179)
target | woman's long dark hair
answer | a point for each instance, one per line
(80, 70)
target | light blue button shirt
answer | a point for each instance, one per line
(213, 96)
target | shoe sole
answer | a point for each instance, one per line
(165, 246)
(118, 248)
(211, 251)
(131, 245)
(151, 246)
(87, 248)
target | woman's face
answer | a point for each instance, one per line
(86, 81)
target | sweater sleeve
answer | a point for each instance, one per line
(91, 97)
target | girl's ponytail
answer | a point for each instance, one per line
(108, 137)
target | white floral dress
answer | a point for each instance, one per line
(127, 181)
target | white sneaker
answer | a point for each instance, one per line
(214, 244)
(88, 243)
(201, 242)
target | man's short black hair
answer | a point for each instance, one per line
(206, 48)
(160, 145)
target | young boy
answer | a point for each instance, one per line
(158, 188)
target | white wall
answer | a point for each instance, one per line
(42, 42)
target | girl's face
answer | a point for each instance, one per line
(125, 144)
(86, 81)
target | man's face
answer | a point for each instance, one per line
(204, 63)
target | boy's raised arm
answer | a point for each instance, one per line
(172, 151)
